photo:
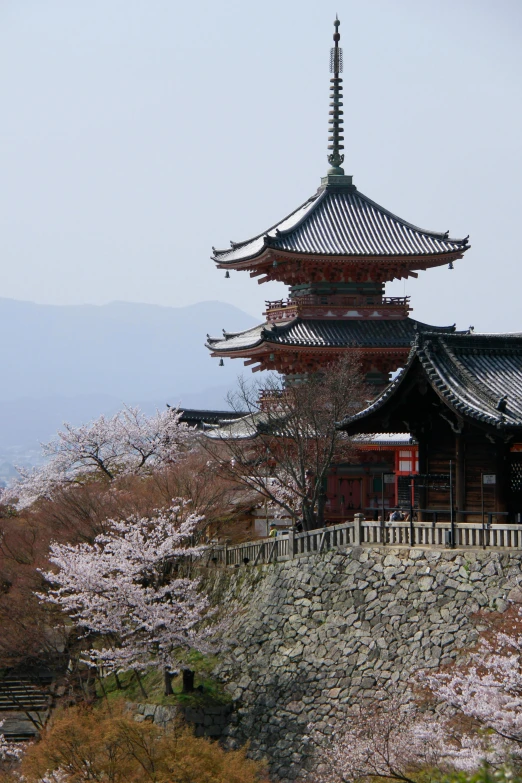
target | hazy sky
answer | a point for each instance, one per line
(136, 134)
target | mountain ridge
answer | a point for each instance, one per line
(130, 352)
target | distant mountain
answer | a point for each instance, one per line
(121, 349)
(71, 363)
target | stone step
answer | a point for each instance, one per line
(21, 737)
(18, 728)
(20, 705)
(16, 694)
(23, 695)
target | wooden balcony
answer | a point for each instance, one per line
(273, 398)
(339, 306)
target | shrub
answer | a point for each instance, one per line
(89, 744)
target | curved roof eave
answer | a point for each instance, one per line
(472, 408)
(383, 397)
(264, 234)
(258, 336)
(349, 258)
(477, 398)
(394, 237)
(324, 335)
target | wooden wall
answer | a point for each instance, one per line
(479, 455)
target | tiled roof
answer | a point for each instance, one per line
(344, 222)
(243, 428)
(479, 376)
(320, 333)
(248, 427)
(238, 341)
(198, 417)
(386, 439)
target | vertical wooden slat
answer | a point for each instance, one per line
(357, 533)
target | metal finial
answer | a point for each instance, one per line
(336, 157)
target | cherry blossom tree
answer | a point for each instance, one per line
(10, 755)
(487, 687)
(393, 739)
(284, 496)
(128, 442)
(129, 594)
(9, 751)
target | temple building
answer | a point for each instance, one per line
(336, 252)
(460, 397)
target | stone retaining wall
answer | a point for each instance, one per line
(208, 721)
(319, 633)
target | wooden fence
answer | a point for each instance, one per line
(360, 532)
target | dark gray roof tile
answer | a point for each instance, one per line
(478, 375)
(344, 223)
(320, 333)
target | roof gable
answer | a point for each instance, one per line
(478, 376)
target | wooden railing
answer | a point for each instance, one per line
(360, 532)
(339, 300)
(287, 309)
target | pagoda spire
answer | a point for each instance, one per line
(335, 157)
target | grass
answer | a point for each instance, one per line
(208, 691)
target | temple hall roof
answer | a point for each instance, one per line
(198, 417)
(341, 221)
(241, 428)
(326, 334)
(478, 376)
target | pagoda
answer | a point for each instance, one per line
(336, 252)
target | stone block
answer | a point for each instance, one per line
(392, 628)
(392, 560)
(425, 583)
(194, 716)
(515, 595)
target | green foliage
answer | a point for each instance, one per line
(208, 691)
(486, 774)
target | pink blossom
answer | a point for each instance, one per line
(285, 494)
(126, 588)
(487, 688)
(393, 739)
(128, 442)
(9, 751)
